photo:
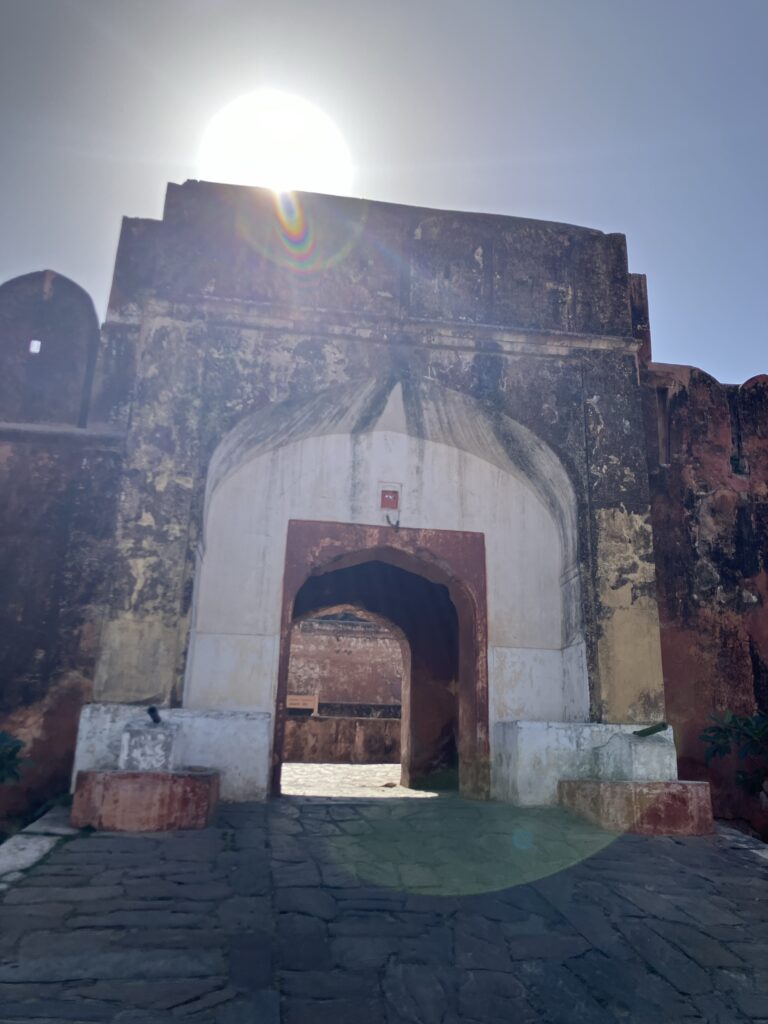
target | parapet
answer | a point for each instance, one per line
(49, 335)
(363, 258)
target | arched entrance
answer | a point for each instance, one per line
(410, 475)
(406, 577)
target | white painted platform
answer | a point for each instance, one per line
(530, 758)
(236, 743)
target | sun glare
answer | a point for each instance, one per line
(278, 141)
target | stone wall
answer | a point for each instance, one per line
(353, 669)
(345, 662)
(342, 740)
(58, 482)
(708, 459)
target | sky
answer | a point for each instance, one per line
(648, 118)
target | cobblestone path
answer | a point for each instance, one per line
(421, 911)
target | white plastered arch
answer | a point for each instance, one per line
(459, 469)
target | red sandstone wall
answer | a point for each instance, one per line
(708, 460)
(342, 740)
(345, 662)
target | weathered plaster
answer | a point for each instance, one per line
(708, 461)
(229, 742)
(629, 654)
(531, 758)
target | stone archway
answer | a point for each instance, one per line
(455, 474)
(442, 573)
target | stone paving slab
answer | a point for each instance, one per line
(395, 911)
(22, 851)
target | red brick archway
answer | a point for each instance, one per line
(453, 559)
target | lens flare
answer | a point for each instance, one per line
(294, 231)
(302, 233)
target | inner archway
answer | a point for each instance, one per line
(444, 731)
(425, 614)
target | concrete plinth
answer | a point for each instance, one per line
(124, 801)
(649, 808)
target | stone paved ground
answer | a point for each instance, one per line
(386, 911)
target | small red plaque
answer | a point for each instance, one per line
(390, 499)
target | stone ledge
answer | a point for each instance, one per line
(648, 808)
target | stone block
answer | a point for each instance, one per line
(649, 808)
(118, 801)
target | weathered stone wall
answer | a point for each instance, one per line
(228, 306)
(708, 456)
(57, 517)
(58, 482)
(345, 662)
(357, 666)
(342, 740)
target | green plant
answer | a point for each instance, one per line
(10, 759)
(749, 735)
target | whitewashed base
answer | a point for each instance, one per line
(236, 743)
(530, 758)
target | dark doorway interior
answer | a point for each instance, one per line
(425, 613)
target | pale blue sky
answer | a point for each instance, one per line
(647, 118)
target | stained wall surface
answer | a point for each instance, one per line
(353, 670)
(345, 662)
(708, 455)
(58, 482)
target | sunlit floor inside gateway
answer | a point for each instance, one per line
(443, 845)
(346, 781)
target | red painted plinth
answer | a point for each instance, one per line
(649, 808)
(116, 801)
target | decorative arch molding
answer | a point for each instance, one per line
(422, 409)
(464, 471)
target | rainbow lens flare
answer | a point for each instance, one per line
(294, 231)
(304, 234)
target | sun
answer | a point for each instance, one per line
(276, 140)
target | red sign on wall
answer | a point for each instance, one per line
(390, 499)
